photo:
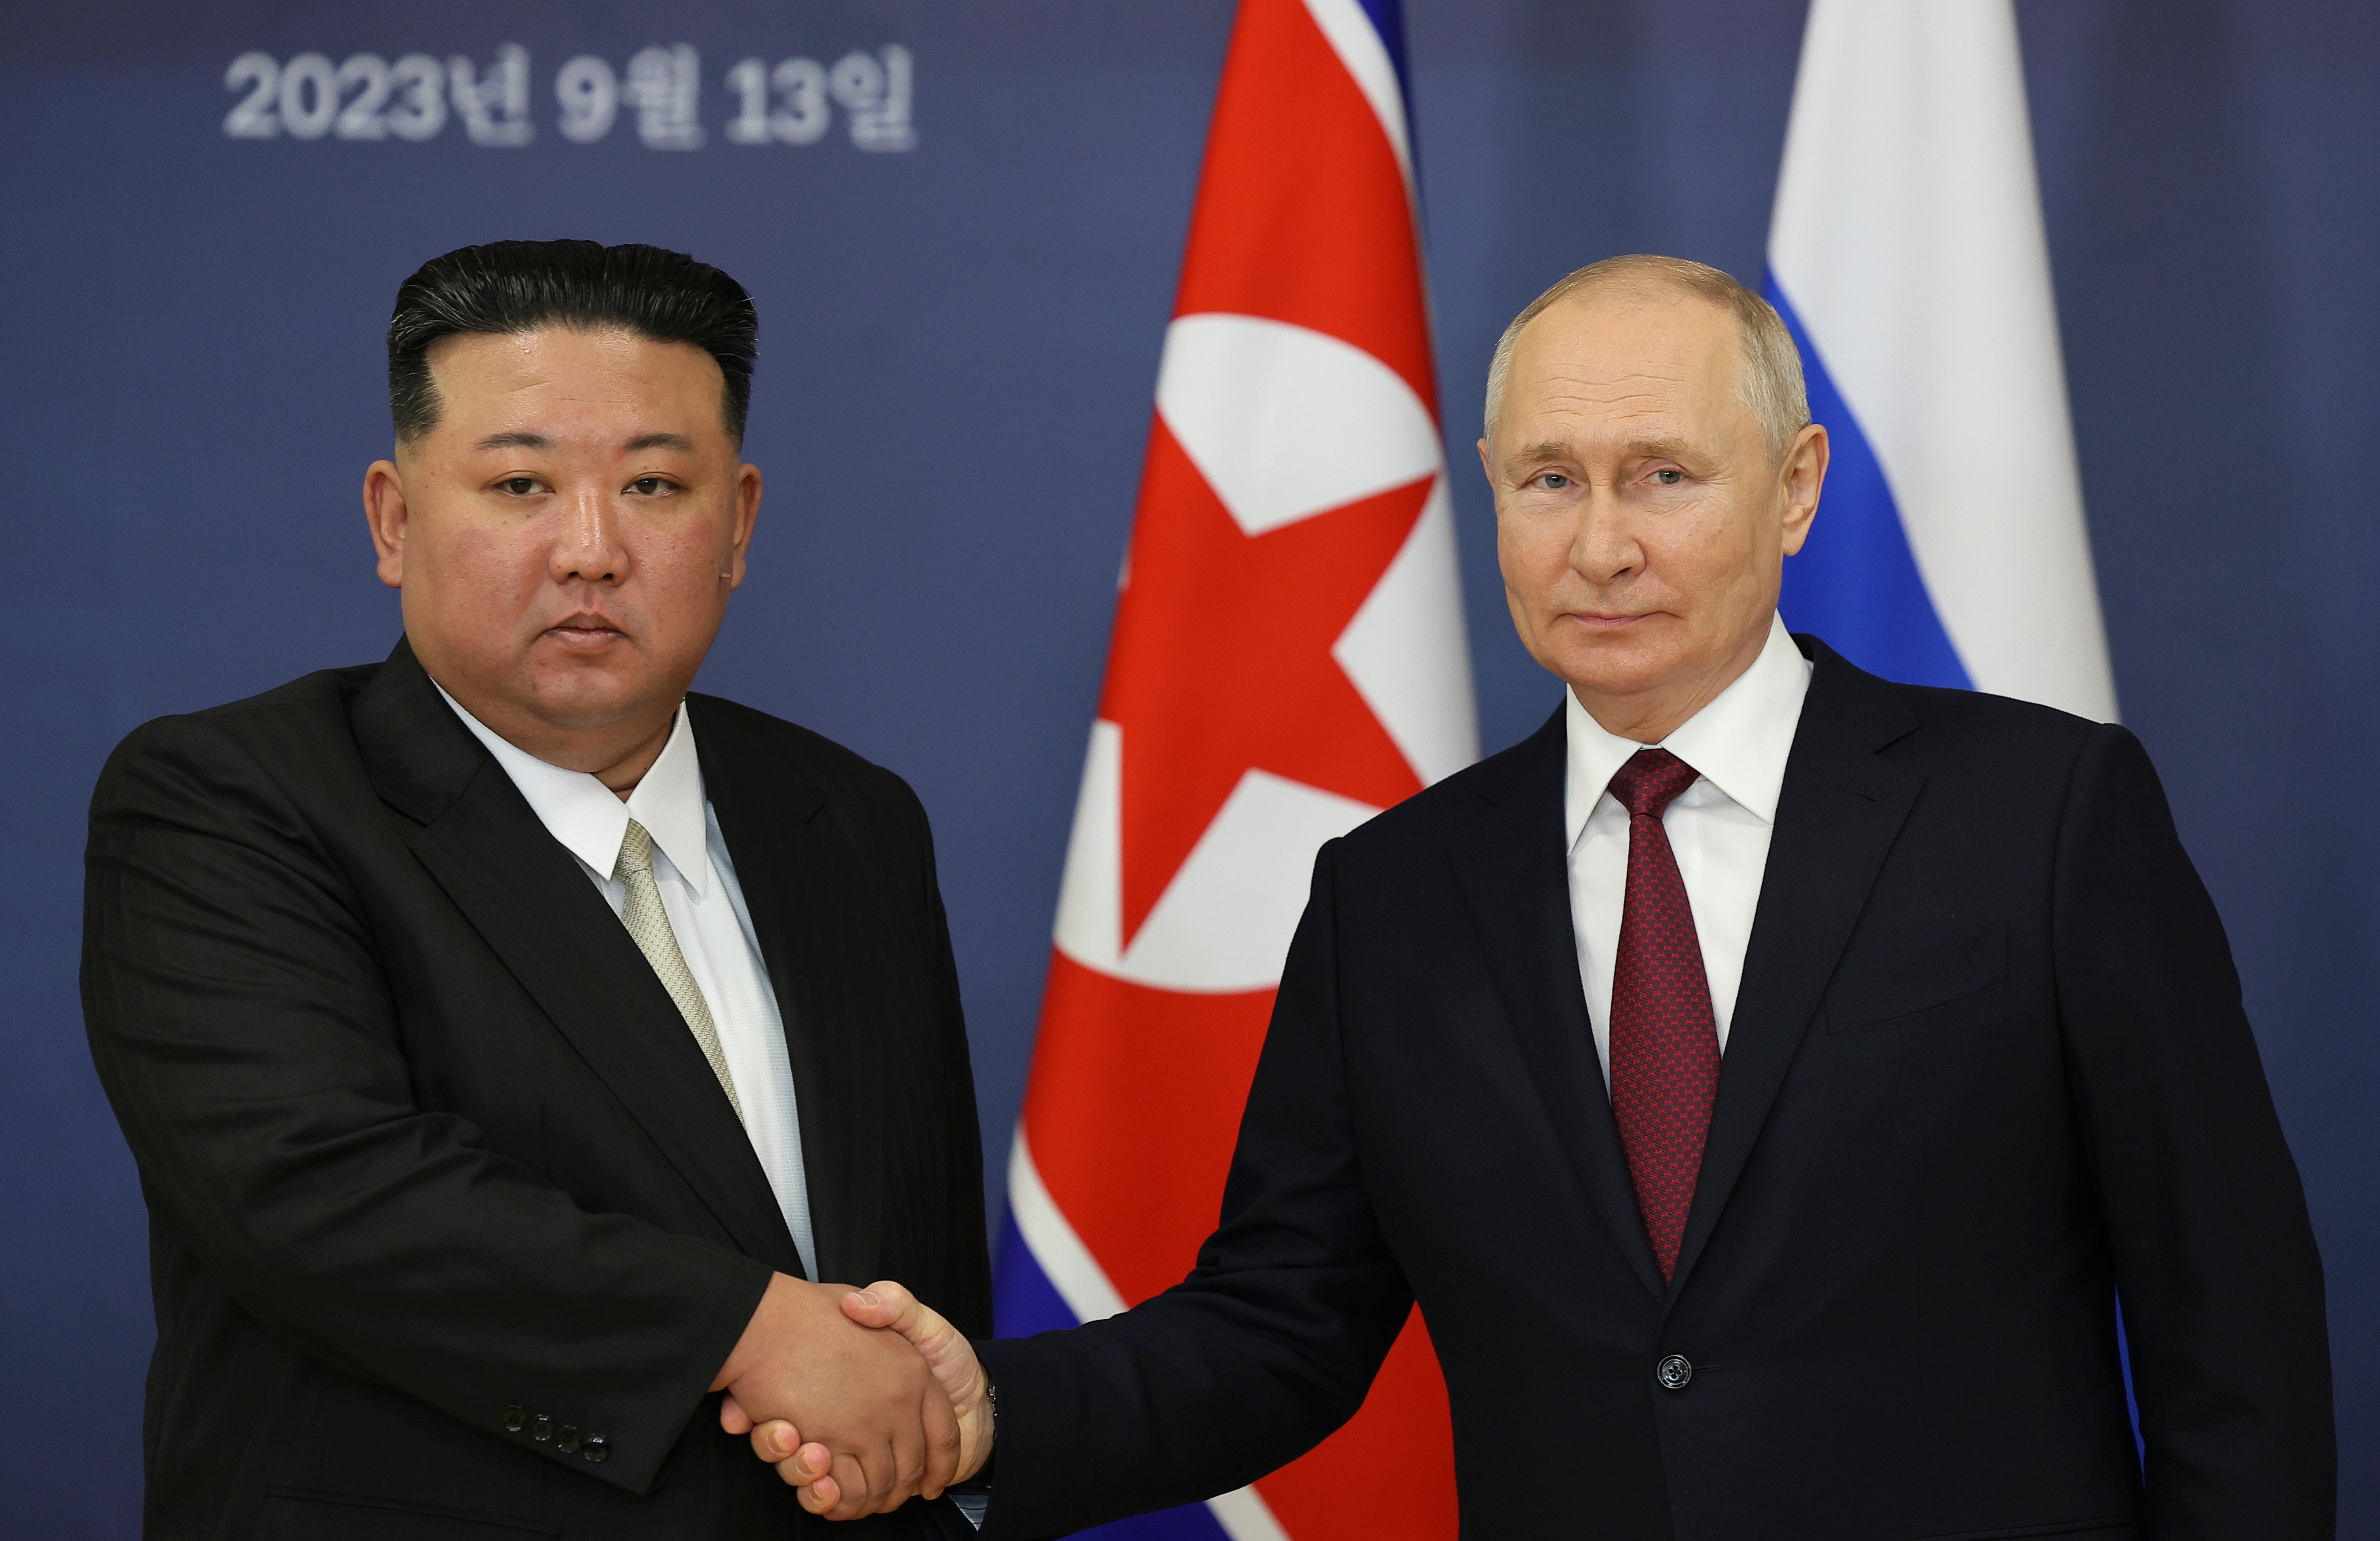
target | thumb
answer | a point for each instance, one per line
(891, 1306)
(945, 1349)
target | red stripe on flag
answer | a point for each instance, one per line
(1390, 1472)
(1303, 212)
(1133, 1113)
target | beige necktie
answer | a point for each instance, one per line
(648, 923)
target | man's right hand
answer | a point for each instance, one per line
(824, 1477)
(866, 1395)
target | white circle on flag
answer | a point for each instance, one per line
(1285, 422)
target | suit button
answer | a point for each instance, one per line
(542, 1429)
(595, 1449)
(515, 1419)
(1672, 1373)
(569, 1443)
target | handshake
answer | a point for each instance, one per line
(862, 1399)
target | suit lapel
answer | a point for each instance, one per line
(1515, 877)
(804, 898)
(531, 902)
(1838, 813)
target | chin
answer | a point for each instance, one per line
(1610, 666)
(587, 697)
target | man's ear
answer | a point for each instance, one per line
(385, 513)
(747, 509)
(1801, 475)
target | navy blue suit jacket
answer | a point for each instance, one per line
(1988, 1072)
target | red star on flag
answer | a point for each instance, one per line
(1221, 662)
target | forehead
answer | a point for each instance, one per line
(1610, 360)
(557, 371)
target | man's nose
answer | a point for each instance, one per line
(588, 546)
(1603, 544)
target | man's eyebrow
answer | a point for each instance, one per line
(1663, 447)
(512, 441)
(660, 441)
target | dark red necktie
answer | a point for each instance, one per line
(1664, 1038)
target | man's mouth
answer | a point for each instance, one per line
(584, 630)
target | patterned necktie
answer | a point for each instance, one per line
(648, 923)
(1664, 1038)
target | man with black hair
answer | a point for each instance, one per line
(509, 1038)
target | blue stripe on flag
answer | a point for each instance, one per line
(1387, 19)
(1025, 1302)
(1855, 583)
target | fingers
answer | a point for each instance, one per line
(848, 1481)
(823, 1495)
(939, 1456)
(808, 1466)
(957, 1449)
(890, 1306)
(890, 1396)
(778, 1442)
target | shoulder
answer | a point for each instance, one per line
(256, 739)
(2001, 723)
(1961, 731)
(1453, 807)
(1996, 763)
(2006, 749)
(755, 742)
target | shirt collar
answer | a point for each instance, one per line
(1740, 742)
(590, 819)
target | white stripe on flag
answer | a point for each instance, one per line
(1065, 1261)
(1907, 236)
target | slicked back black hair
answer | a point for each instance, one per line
(506, 287)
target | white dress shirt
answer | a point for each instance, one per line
(705, 911)
(1719, 827)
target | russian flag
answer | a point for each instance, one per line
(1288, 658)
(1906, 254)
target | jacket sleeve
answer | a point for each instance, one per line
(2215, 1258)
(245, 1032)
(1267, 1347)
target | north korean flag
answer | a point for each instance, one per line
(1288, 660)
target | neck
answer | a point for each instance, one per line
(622, 774)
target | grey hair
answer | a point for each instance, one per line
(1770, 384)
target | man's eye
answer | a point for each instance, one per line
(1553, 482)
(1668, 476)
(649, 486)
(518, 486)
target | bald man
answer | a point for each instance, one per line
(1768, 1079)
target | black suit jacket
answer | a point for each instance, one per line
(1988, 1070)
(428, 1151)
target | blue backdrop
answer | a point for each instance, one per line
(962, 306)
